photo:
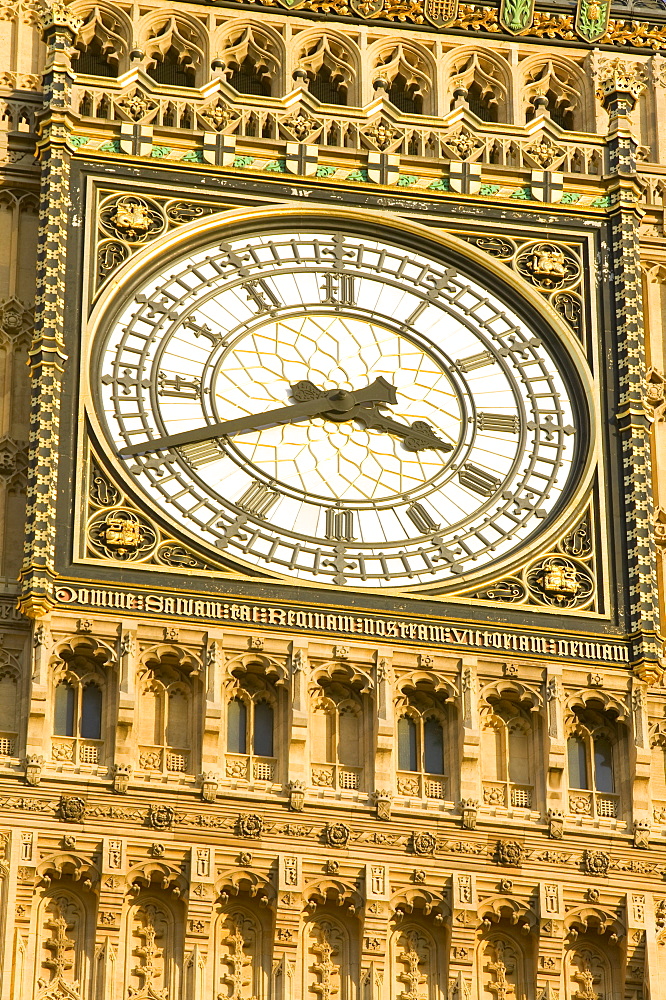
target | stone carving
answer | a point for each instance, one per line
(555, 824)
(249, 825)
(561, 582)
(136, 106)
(424, 843)
(383, 800)
(121, 534)
(72, 809)
(509, 852)
(296, 796)
(33, 769)
(161, 817)
(470, 810)
(641, 834)
(596, 862)
(121, 778)
(209, 786)
(463, 143)
(337, 834)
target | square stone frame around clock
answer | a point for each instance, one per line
(594, 536)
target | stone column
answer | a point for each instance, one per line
(551, 938)
(374, 950)
(198, 920)
(464, 922)
(107, 968)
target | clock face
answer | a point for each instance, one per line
(335, 408)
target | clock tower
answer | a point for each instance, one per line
(332, 665)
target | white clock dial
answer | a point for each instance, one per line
(454, 442)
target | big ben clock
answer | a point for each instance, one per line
(343, 406)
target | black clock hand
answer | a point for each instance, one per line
(335, 403)
(418, 436)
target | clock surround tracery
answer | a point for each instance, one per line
(263, 291)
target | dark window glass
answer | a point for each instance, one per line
(237, 727)
(172, 73)
(93, 62)
(577, 759)
(246, 80)
(407, 745)
(433, 737)
(322, 87)
(263, 729)
(603, 766)
(63, 723)
(479, 105)
(91, 713)
(404, 99)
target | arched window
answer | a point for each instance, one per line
(421, 756)
(165, 715)
(506, 757)
(77, 722)
(591, 767)
(246, 79)
(172, 72)
(8, 713)
(250, 724)
(93, 62)
(405, 98)
(337, 738)
(481, 103)
(326, 89)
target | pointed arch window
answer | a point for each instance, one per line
(165, 719)
(8, 712)
(405, 98)
(326, 89)
(93, 62)
(77, 722)
(507, 757)
(591, 767)
(481, 103)
(171, 71)
(337, 740)
(246, 79)
(250, 737)
(421, 757)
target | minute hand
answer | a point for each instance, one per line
(335, 401)
(418, 436)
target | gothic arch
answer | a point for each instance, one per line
(247, 42)
(487, 78)
(158, 874)
(330, 954)
(428, 681)
(503, 961)
(564, 83)
(416, 960)
(108, 30)
(64, 942)
(332, 53)
(408, 63)
(587, 919)
(271, 668)
(242, 950)
(508, 908)
(153, 945)
(599, 700)
(67, 865)
(238, 881)
(507, 689)
(176, 37)
(331, 892)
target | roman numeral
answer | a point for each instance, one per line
(179, 386)
(258, 500)
(339, 289)
(477, 479)
(201, 453)
(476, 361)
(340, 525)
(203, 331)
(421, 519)
(263, 296)
(502, 422)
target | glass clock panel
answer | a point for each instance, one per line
(337, 409)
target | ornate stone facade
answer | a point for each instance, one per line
(215, 783)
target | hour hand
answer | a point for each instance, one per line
(335, 404)
(418, 436)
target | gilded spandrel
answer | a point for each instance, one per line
(332, 492)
